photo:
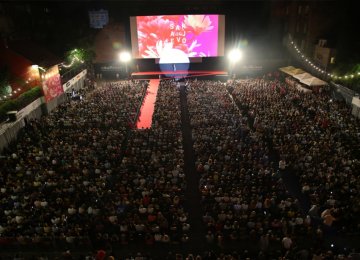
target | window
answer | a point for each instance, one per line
(297, 27)
(305, 27)
(306, 9)
(299, 9)
(287, 10)
(332, 60)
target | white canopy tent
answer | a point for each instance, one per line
(356, 106)
(303, 76)
(313, 81)
(296, 72)
(287, 69)
(290, 70)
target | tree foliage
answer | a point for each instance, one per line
(80, 55)
(4, 81)
(20, 102)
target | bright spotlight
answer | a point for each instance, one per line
(124, 56)
(235, 55)
(35, 67)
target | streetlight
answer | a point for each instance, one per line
(125, 57)
(35, 72)
(35, 67)
(234, 56)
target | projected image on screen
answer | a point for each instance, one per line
(177, 36)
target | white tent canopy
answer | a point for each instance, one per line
(290, 70)
(313, 81)
(303, 76)
(296, 72)
(287, 69)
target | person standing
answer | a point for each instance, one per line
(287, 242)
(264, 242)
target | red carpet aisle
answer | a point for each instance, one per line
(147, 108)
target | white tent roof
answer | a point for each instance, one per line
(296, 72)
(290, 70)
(303, 76)
(287, 69)
(313, 81)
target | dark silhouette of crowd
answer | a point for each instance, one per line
(57, 181)
(317, 138)
(84, 176)
(242, 199)
(242, 155)
(152, 179)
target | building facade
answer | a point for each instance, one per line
(307, 22)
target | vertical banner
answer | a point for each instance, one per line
(51, 84)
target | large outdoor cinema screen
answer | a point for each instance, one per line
(177, 35)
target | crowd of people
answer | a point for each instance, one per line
(58, 180)
(243, 195)
(77, 177)
(152, 179)
(173, 255)
(242, 200)
(84, 176)
(318, 139)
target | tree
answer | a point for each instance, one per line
(80, 55)
(5, 87)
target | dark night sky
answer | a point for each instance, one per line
(245, 20)
(70, 22)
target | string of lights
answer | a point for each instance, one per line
(10, 94)
(28, 76)
(74, 59)
(306, 59)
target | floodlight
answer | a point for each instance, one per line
(124, 56)
(235, 55)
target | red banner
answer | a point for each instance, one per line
(52, 84)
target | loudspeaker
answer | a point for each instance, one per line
(12, 115)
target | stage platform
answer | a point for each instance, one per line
(220, 75)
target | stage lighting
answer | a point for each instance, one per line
(235, 55)
(173, 56)
(173, 60)
(124, 56)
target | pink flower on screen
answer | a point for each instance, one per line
(157, 50)
(164, 47)
(198, 23)
(172, 18)
(189, 50)
(152, 30)
(183, 47)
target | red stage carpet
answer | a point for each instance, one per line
(147, 108)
